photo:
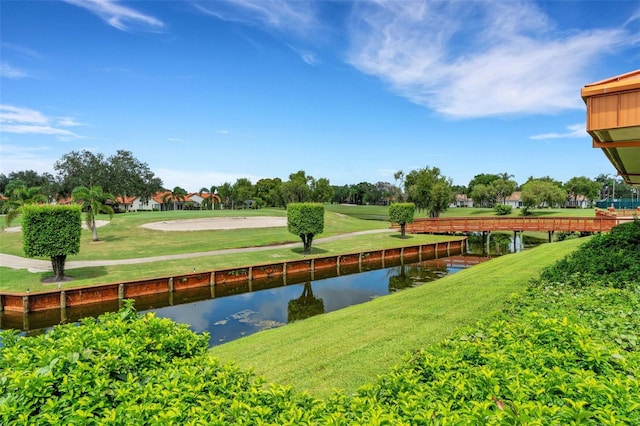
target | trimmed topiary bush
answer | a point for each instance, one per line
(305, 220)
(52, 231)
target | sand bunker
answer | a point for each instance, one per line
(216, 223)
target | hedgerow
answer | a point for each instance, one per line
(614, 256)
(565, 352)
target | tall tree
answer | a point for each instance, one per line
(225, 192)
(242, 191)
(582, 185)
(321, 190)
(341, 194)
(130, 176)
(482, 179)
(482, 195)
(502, 188)
(30, 178)
(296, 189)
(83, 168)
(270, 190)
(542, 192)
(93, 201)
(429, 190)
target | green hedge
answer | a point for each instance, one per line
(614, 256)
(51, 230)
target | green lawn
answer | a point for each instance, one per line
(175, 242)
(380, 212)
(124, 238)
(348, 348)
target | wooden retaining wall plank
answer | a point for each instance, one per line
(223, 282)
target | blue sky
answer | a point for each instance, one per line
(206, 92)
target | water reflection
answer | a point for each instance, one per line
(234, 316)
(500, 243)
(410, 276)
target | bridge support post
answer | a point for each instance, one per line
(550, 235)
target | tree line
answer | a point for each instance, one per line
(122, 175)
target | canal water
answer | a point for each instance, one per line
(242, 309)
(231, 317)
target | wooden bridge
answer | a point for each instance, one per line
(490, 224)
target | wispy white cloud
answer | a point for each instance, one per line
(20, 120)
(292, 19)
(573, 131)
(119, 16)
(283, 15)
(222, 132)
(15, 157)
(9, 71)
(475, 59)
(24, 51)
(68, 122)
(175, 140)
(308, 56)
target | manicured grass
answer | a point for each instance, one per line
(381, 212)
(19, 280)
(350, 347)
(124, 238)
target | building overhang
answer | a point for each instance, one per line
(613, 121)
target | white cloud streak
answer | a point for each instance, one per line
(293, 19)
(28, 121)
(286, 16)
(9, 71)
(24, 51)
(574, 131)
(463, 59)
(118, 16)
(475, 59)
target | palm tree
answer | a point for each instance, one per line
(93, 200)
(207, 202)
(178, 194)
(19, 196)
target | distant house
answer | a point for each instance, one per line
(124, 204)
(153, 203)
(197, 199)
(462, 200)
(514, 200)
(579, 202)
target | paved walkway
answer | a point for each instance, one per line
(35, 265)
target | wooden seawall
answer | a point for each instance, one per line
(219, 282)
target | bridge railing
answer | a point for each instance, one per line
(453, 225)
(617, 213)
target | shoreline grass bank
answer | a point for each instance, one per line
(348, 348)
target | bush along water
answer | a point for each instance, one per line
(565, 352)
